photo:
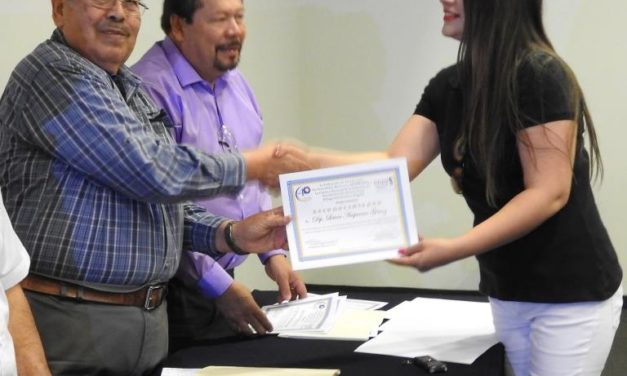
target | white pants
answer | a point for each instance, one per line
(569, 339)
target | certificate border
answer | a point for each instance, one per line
(397, 167)
(299, 182)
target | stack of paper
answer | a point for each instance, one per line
(249, 371)
(326, 317)
(262, 371)
(449, 330)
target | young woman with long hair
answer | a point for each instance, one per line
(510, 122)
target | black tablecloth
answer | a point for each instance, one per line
(271, 351)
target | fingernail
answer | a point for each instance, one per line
(402, 251)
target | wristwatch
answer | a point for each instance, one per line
(228, 238)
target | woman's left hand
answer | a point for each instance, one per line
(427, 254)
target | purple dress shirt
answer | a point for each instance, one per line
(198, 110)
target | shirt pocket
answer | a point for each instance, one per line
(161, 123)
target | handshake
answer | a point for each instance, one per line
(268, 162)
(265, 231)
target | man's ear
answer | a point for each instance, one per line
(58, 7)
(176, 29)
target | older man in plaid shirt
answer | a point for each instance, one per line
(97, 191)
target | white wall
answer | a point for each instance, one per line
(363, 65)
(346, 74)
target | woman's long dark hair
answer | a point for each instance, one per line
(498, 35)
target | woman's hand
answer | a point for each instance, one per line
(428, 254)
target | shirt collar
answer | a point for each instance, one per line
(129, 79)
(184, 71)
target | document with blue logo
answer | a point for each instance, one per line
(349, 214)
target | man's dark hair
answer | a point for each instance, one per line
(182, 8)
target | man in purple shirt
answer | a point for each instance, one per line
(192, 75)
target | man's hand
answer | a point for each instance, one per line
(241, 311)
(289, 282)
(261, 232)
(268, 162)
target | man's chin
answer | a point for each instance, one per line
(225, 67)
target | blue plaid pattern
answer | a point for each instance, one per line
(95, 187)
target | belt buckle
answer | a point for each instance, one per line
(150, 303)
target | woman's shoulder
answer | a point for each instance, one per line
(449, 75)
(435, 97)
(444, 81)
(541, 65)
(546, 88)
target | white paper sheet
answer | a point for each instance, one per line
(457, 349)
(368, 305)
(449, 330)
(316, 313)
(263, 371)
(179, 371)
(351, 325)
(358, 303)
(248, 371)
(424, 315)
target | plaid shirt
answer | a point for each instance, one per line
(94, 185)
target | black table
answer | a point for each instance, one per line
(271, 351)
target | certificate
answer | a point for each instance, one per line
(349, 214)
(315, 314)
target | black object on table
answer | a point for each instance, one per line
(271, 351)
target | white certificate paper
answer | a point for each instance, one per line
(315, 314)
(349, 214)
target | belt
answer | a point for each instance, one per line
(148, 298)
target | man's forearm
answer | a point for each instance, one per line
(29, 352)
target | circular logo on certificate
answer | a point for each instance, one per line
(303, 193)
